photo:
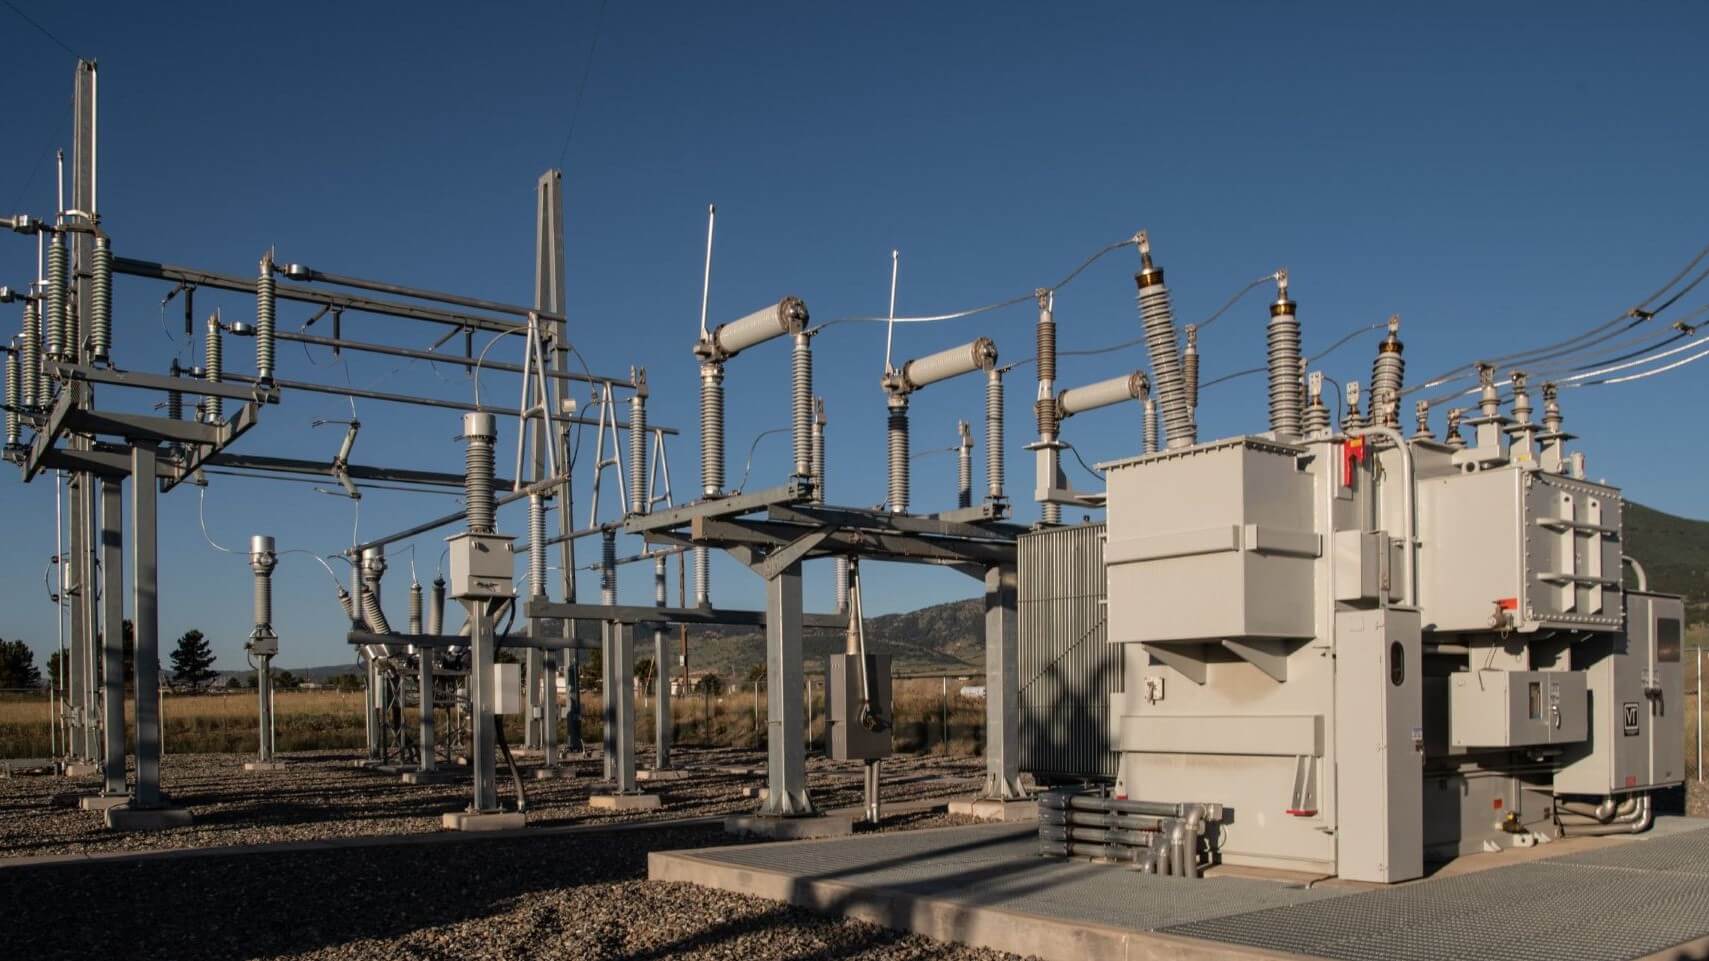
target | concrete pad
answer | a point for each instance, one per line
(988, 809)
(790, 829)
(392, 768)
(756, 792)
(496, 821)
(78, 769)
(666, 774)
(741, 771)
(102, 802)
(67, 799)
(154, 819)
(624, 802)
(365, 763)
(428, 777)
(264, 765)
(553, 773)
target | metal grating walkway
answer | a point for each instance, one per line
(1624, 901)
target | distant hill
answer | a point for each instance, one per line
(950, 636)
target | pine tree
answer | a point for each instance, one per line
(192, 661)
(18, 666)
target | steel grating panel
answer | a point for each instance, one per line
(1068, 669)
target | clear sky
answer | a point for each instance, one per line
(1500, 175)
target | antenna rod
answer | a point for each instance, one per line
(706, 279)
(890, 328)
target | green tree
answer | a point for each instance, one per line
(346, 683)
(756, 674)
(53, 668)
(18, 665)
(286, 681)
(593, 670)
(709, 684)
(192, 661)
(644, 673)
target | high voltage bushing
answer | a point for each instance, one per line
(801, 403)
(896, 447)
(637, 449)
(213, 407)
(994, 432)
(264, 310)
(373, 613)
(13, 397)
(436, 611)
(1421, 411)
(1282, 350)
(964, 464)
(1190, 367)
(349, 604)
(1045, 407)
(53, 303)
(479, 431)
(101, 299)
(262, 559)
(1351, 419)
(1452, 437)
(1148, 429)
(1315, 420)
(30, 358)
(415, 610)
(1388, 371)
(1157, 318)
(536, 545)
(373, 563)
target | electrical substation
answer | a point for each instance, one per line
(1284, 677)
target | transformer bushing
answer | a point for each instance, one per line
(1315, 419)
(263, 641)
(1044, 410)
(480, 430)
(1388, 372)
(1282, 351)
(896, 439)
(1190, 368)
(1157, 318)
(1421, 414)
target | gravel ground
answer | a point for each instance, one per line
(1697, 799)
(321, 796)
(564, 896)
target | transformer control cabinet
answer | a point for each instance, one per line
(1637, 705)
(851, 736)
(1500, 709)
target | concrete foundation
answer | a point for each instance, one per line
(669, 774)
(790, 829)
(756, 792)
(624, 802)
(154, 819)
(366, 763)
(991, 810)
(552, 773)
(102, 802)
(428, 777)
(496, 821)
(77, 769)
(264, 765)
(741, 771)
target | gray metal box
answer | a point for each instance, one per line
(849, 739)
(1543, 548)
(481, 565)
(1068, 673)
(507, 689)
(1236, 515)
(1379, 742)
(1637, 707)
(1499, 708)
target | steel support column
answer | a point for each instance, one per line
(112, 638)
(424, 703)
(1002, 686)
(480, 680)
(264, 697)
(145, 587)
(786, 750)
(618, 657)
(662, 721)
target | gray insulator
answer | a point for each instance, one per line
(712, 429)
(787, 316)
(1149, 428)
(1388, 376)
(1521, 398)
(608, 567)
(373, 613)
(415, 607)
(702, 576)
(994, 435)
(1282, 342)
(262, 563)
(1421, 411)
(964, 467)
(101, 299)
(659, 594)
(1045, 406)
(1454, 439)
(30, 358)
(801, 403)
(1050, 512)
(1351, 419)
(841, 589)
(1190, 367)
(818, 453)
(213, 367)
(436, 613)
(264, 320)
(349, 605)
(59, 343)
(536, 545)
(896, 436)
(13, 398)
(979, 354)
(1551, 409)
(1316, 419)
(1158, 319)
(638, 438)
(479, 430)
(175, 405)
(1104, 393)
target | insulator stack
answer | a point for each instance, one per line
(32, 386)
(1552, 408)
(801, 403)
(994, 434)
(1190, 367)
(536, 545)
(415, 608)
(101, 299)
(1315, 421)
(1282, 343)
(896, 436)
(702, 576)
(436, 612)
(264, 306)
(1351, 419)
(964, 466)
(608, 567)
(1045, 407)
(712, 428)
(373, 613)
(1489, 399)
(1521, 398)
(262, 560)
(346, 602)
(818, 450)
(213, 368)
(1158, 320)
(1453, 438)
(638, 447)
(53, 303)
(1149, 428)
(14, 397)
(1387, 378)
(174, 405)
(479, 430)
(1421, 411)
(660, 595)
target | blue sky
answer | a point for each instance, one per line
(1500, 176)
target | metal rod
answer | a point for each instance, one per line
(309, 274)
(341, 343)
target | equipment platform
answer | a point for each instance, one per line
(1637, 897)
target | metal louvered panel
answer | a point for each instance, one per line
(1068, 669)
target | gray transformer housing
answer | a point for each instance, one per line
(1372, 652)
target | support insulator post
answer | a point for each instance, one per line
(213, 363)
(14, 397)
(896, 437)
(994, 435)
(801, 403)
(32, 386)
(479, 430)
(264, 310)
(536, 545)
(964, 464)
(101, 299)
(1282, 343)
(638, 449)
(59, 344)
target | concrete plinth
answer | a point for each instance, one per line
(496, 821)
(102, 802)
(552, 773)
(668, 774)
(264, 765)
(790, 829)
(756, 792)
(366, 763)
(153, 819)
(987, 809)
(392, 768)
(80, 769)
(741, 771)
(428, 777)
(624, 802)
